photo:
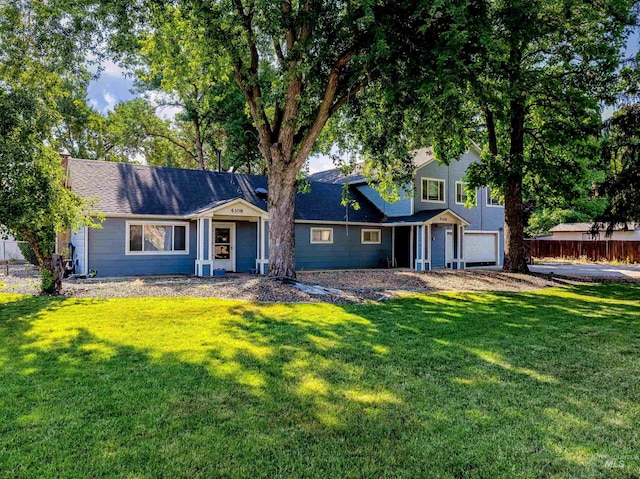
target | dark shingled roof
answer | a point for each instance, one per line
(336, 176)
(133, 189)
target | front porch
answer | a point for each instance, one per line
(414, 238)
(231, 236)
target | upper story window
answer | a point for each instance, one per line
(492, 200)
(433, 190)
(321, 235)
(370, 237)
(157, 238)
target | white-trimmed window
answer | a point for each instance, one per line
(369, 236)
(321, 235)
(492, 200)
(433, 190)
(461, 193)
(149, 237)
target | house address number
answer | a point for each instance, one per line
(237, 210)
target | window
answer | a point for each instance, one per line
(370, 237)
(321, 235)
(157, 238)
(492, 200)
(433, 190)
(461, 193)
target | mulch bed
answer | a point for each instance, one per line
(354, 285)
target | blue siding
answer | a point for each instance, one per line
(346, 251)
(398, 208)
(481, 217)
(246, 241)
(107, 253)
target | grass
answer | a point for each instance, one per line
(535, 384)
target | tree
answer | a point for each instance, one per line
(542, 69)
(621, 160)
(297, 64)
(173, 71)
(34, 203)
(39, 53)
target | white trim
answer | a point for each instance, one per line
(311, 230)
(127, 238)
(464, 252)
(455, 193)
(211, 211)
(263, 260)
(422, 190)
(488, 196)
(366, 230)
(86, 250)
(232, 244)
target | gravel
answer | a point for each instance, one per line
(353, 285)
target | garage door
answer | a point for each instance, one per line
(478, 247)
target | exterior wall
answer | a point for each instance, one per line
(346, 251)
(481, 217)
(401, 207)
(107, 253)
(77, 239)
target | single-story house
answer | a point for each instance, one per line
(582, 232)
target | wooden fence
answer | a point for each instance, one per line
(625, 251)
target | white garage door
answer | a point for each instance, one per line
(478, 247)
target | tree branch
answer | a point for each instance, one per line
(345, 98)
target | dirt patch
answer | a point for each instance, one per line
(353, 286)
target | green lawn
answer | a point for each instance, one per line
(535, 384)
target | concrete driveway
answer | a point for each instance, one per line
(588, 269)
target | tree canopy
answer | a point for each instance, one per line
(621, 161)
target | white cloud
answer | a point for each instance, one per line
(320, 163)
(161, 100)
(110, 102)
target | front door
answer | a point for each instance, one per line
(224, 242)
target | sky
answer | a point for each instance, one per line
(114, 86)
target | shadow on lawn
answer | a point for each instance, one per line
(453, 385)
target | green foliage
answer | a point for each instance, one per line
(44, 47)
(621, 161)
(47, 282)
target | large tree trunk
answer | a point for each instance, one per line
(515, 260)
(282, 207)
(514, 256)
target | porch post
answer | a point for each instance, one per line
(263, 268)
(424, 248)
(429, 246)
(258, 243)
(411, 263)
(462, 262)
(200, 246)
